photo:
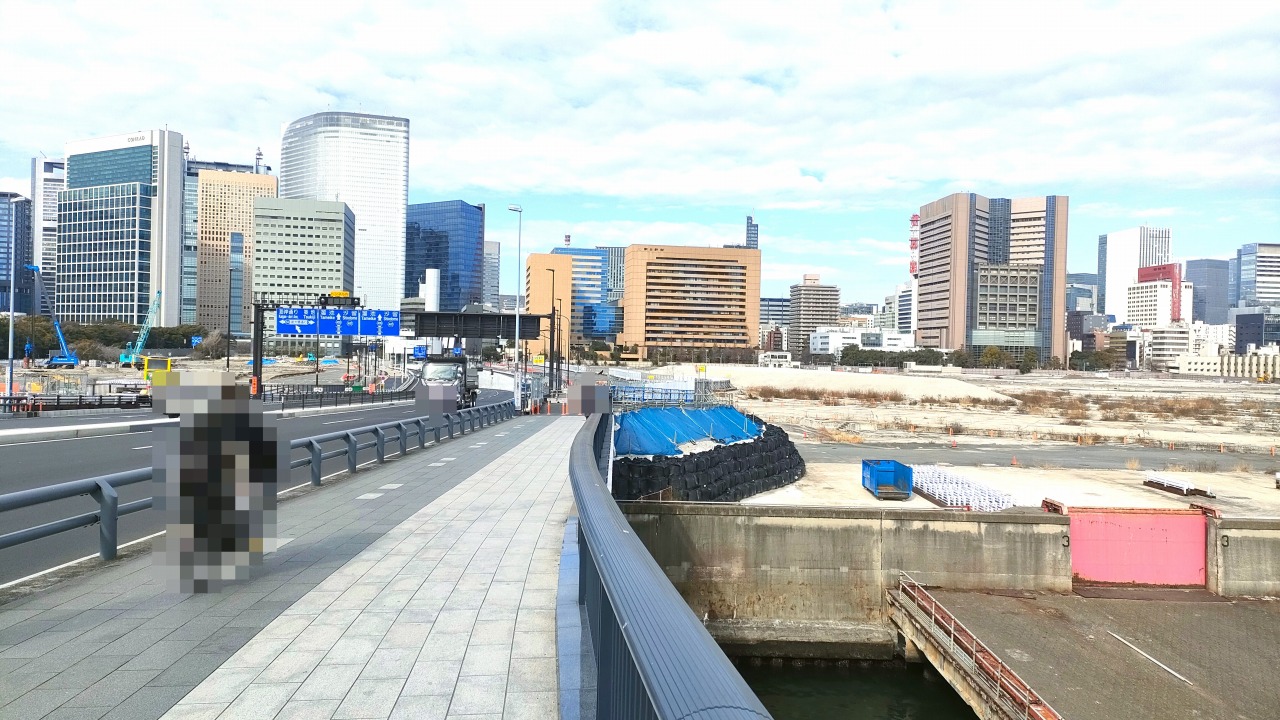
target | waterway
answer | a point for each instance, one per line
(860, 692)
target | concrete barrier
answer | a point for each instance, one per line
(811, 582)
(1242, 557)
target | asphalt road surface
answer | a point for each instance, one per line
(45, 462)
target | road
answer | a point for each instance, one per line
(45, 462)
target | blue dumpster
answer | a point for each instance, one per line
(887, 479)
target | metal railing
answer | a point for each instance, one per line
(994, 677)
(102, 489)
(654, 658)
(40, 403)
(303, 401)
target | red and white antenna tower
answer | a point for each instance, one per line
(915, 246)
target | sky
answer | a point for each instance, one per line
(669, 122)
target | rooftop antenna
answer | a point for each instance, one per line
(257, 161)
(186, 150)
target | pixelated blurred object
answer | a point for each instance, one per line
(216, 476)
(435, 400)
(589, 400)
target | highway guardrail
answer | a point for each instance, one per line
(103, 488)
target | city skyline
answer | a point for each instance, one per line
(640, 140)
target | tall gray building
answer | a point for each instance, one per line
(775, 311)
(120, 229)
(15, 238)
(1209, 290)
(492, 271)
(48, 178)
(813, 305)
(616, 270)
(753, 234)
(362, 160)
(1258, 280)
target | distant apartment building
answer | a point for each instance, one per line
(813, 305)
(1256, 328)
(1159, 297)
(1007, 312)
(120, 229)
(775, 311)
(1209, 284)
(1258, 274)
(363, 161)
(492, 272)
(753, 234)
(48, 178)
(1212, 339)
(446, 236)
(678, 299)
(301, 248)
(961, 232)
(833, 340)
(1165, 344)
(592, 316)
(617, 255)
(15, 241)
(225, 225)
(1120, 254)
(1082, 322)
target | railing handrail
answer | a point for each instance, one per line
(1004, 681)
(102, 487)
(683, 671)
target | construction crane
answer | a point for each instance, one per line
(130, 357)
(67, 358)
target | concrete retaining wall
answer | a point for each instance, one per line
(750, 568)
(1243, 557)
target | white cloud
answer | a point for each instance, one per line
(722, 102)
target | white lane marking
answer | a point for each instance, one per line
(447, 459)
(77, 561)
(391, 486)
(141, 447)
(435, 464)
(500, 435)
(334, 422)
(368, 496)
(91, 437)
(482, 443)
(473, 446)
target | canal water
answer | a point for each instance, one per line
(861, 692)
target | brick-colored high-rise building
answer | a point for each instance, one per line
(226, 224)
(964, 233)
(678, 299)
(544, 289)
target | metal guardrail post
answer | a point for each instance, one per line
(421, 433)
(404, 439)
(108, 505)
(352, 449)
(448, 418)
(317, 460)
(380, 438)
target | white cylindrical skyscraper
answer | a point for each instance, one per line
(362, 160)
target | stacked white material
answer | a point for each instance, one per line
(954, 490)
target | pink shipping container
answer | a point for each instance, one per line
(1140, 546)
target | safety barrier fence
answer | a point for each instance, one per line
(998, 681)
(393, 435)
(37, 403)
(303, 401)
(654, 659)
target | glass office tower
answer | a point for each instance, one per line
(363, 161)
(592, 317)
(446, 236)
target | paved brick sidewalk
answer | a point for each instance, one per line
(450, 614)
(112, 644)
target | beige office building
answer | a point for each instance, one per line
(680, 299)
(541, 288)
(961, 233)
(225, 207)
(813, 305)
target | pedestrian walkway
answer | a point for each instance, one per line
(425, 588)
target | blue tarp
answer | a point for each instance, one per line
(659, 431)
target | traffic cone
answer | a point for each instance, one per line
(1014, 462)
(953, 442)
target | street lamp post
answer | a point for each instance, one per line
(562, 343)
(551, 340)
(519, 211)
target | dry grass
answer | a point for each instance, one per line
(1242, 467)
(768, 392)
(1174, 467)
(1133, 464)
(838, 436)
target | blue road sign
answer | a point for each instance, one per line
(348, 321)
(196, 340)
(380, 323)
(419, 352)
(329, 321)
(457, 351)
(295, 321)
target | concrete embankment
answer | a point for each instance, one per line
(1243, 557)
(810, 582)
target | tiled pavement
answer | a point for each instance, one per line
(432, 596)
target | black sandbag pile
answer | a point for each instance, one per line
(726, 473)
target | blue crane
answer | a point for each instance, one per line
(130, 356)
(67, 358)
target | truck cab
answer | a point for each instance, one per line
(455, 371)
